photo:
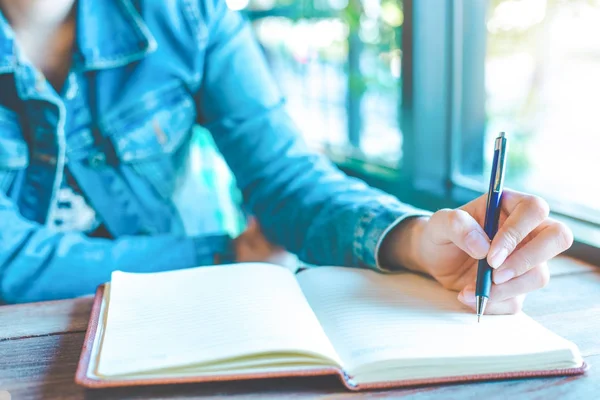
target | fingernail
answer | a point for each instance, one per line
(467, 296)
(503, 275)
(477, 244)
(498, 258)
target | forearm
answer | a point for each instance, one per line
(38, 264)
(49, 267)
(303, 202)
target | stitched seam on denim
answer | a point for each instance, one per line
(219, 14)
(81, 144)
(142, 28)
(193, 13)
(7, 68)
(124, 58)
(9, 123)
(9, 117)
(360, 232)
(198, 26)
(61, 145)
(11, 59)
(168, 148)
(106, 124)
(6, 178)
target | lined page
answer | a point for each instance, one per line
(198, 316)
(376, 318)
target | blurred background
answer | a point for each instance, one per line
(409, 95)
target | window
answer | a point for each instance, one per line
(338, 64)
(542, 85)
(415, 91)
(527, 67)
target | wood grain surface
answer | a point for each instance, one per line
(40, 344)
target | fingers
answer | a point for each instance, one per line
(460, 228)
(253, 246)
(525, 213)
(507, 298)
(509, 306)
(553, 239)
(534, 279)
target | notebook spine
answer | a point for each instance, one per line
(349, 381)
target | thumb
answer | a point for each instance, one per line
(461, 229)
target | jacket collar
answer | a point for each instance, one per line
(7, 47)
(110, 34)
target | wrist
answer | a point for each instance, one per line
(401, 248)
(220, 249)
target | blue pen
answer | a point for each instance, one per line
(492, 215)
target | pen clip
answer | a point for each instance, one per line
(500, 147)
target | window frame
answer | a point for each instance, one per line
(436, 34)
(441, 114)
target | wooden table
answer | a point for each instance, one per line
(40, 346)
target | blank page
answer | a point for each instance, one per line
(204, 315)
(407, 321)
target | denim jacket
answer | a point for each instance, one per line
(143, 74)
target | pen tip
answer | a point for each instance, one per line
(478, 318)
(502, 134)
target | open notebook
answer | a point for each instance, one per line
(248, 321)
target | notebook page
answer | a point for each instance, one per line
(189, 317)
(374, 318)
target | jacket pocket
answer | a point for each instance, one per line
(14, 153)
(151, 139)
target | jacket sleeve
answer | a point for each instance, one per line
(302, 201)
(38, 264)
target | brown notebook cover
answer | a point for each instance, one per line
(84, 379)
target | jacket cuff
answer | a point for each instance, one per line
(217, 249)
(373, 227)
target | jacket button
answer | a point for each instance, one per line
(97, 160)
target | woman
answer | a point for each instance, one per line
(98, 100)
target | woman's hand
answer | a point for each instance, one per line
(252, 246)
(448, 244)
